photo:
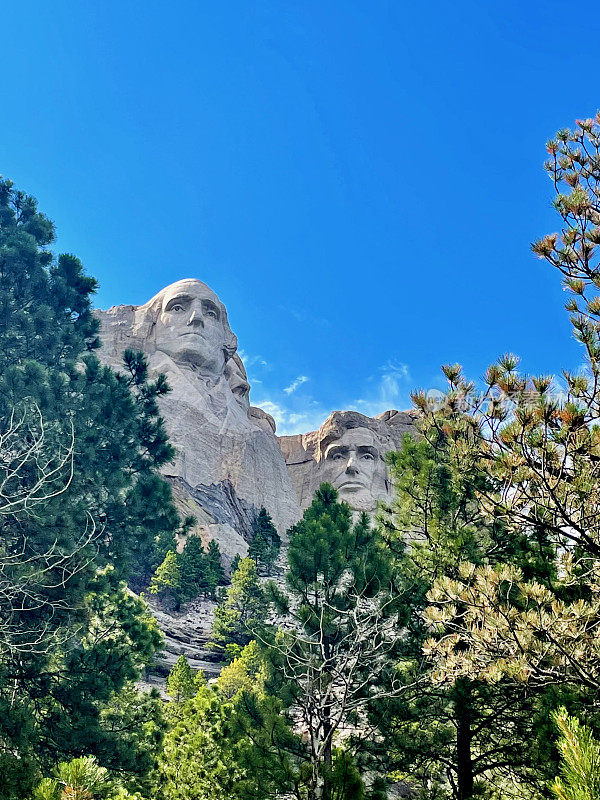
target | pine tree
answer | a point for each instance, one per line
(100, 434)
(339, 629)
(167, 578)
(214, 568)
(266, 542)
(135, 718)
(200, 757)
(538, 445)
(525, 618)
(214, 749)
(182, 681)
(466, 731)
(235, 563)
(78, 779)
(243, 611)
(246, 673)
(194, 569)
(580, 760)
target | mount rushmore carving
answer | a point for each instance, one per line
(229, 462)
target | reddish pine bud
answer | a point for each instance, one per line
(585, 124)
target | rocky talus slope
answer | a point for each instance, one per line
(187, 633)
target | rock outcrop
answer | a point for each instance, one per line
(187, 633)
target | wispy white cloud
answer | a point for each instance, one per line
(278, 413)
(290, 421)
(253, 361)
(295, 419)
(388, 388)
(391, 390)
(295, 384)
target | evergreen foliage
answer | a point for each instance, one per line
(214, 567)
(444, 647)
(80, 779)
(325, 547)
(580, 760)
(464, 731)
(239, 739)
(513, 615)
(183, 576)
(242, 612)
(167, 576)
(246, 673)
(339, 635)
(193, 568)
(182, 681)
(81, 449)
(539, 449)
(266, 542)
(199, 758)
(235, 563)
(133, 723)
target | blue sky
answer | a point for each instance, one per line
(358, 181)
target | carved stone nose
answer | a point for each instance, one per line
(196, 319)
(351, 467)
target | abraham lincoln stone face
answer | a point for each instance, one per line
(190, 326)
(353, 464)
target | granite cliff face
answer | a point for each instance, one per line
(229, 462)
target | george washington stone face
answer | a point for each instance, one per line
(191, 326)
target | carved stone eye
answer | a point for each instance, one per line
(177, 307)
(368, 456)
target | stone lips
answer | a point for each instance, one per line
(348, 451)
